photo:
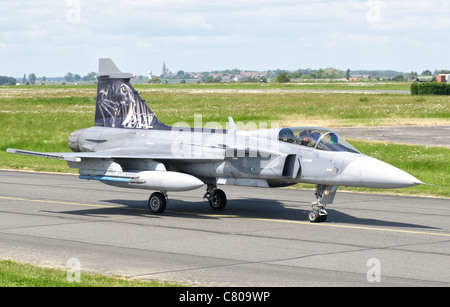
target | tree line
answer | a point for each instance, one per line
(276, 75)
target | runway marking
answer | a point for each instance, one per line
(239, 217)
(356, 227)
(57, 202)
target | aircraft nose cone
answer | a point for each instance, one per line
(374, 173)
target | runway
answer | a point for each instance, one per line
(262, 238)
(412, 135)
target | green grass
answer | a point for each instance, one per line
(42, 118)
(406, 86)
(14, 274)
(293, 108)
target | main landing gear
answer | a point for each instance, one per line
(216, 198)
(157, 202)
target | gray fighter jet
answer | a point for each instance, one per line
(129, 147)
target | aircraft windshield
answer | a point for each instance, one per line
(318, 138)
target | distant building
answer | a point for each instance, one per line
(441, 79)
(165, 71)
(444, 78)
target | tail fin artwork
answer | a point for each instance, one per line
(119, 105)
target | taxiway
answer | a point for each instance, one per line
(262, 238)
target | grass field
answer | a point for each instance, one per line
(41, 118)
(14, 274)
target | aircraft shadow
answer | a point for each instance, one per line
(253, 208)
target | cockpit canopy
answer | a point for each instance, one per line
(318, 138)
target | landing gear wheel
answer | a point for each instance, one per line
(323, 218)
(157, 202)
(313, 216)
(317, 216)
(217, 200)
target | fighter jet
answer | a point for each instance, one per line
(129, 147)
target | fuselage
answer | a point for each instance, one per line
(262, 157)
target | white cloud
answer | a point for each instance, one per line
(41, 37)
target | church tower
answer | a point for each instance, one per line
(165, 70)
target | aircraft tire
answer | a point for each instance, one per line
(315, 217)
(157, 202)
(218, 200)
(323, 218)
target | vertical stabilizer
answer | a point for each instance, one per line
(119, 105)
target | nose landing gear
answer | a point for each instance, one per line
(318, 214)
(324, 195)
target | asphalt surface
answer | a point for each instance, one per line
(417, 135)
(262, 237)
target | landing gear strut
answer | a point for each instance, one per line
(216, 197)
(324, 195)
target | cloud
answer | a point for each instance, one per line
(52, 37)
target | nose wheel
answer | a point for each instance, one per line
(318, 214)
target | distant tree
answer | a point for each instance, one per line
(317, 74)
(252, 79)
(90, 76)
(44, 78)
(347, 74)
(4, 80)
(24, 80)
(69, 77)
(444, 71)
(32, 78)
(211, 79)
(398, 78)
(332, 73)
(426, 73)
(77, 77)
(282, 78)
(295, 74)
(7, 80)
(412, 75)
(12, 81)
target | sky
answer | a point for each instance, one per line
(53, 37)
